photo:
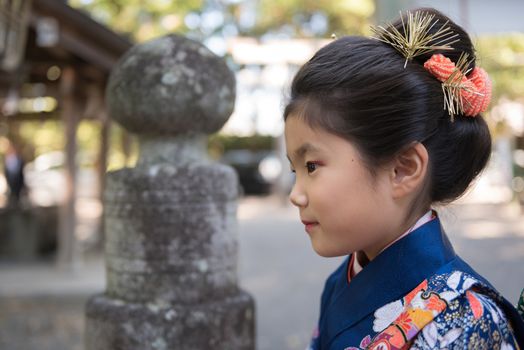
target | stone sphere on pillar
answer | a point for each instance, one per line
(171, 86)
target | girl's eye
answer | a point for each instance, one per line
(311, 167)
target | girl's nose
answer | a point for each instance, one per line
(297, 197)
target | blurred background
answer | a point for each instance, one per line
(56, 144)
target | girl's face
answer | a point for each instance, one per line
(343, 207)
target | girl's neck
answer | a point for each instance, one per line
(410, 225)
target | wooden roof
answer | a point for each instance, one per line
(81, 37)
(88, 46)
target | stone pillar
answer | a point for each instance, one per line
(171, 246)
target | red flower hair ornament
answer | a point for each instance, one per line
(469, 96)
(466, 92)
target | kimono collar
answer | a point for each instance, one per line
(388, 277)
(355, 265)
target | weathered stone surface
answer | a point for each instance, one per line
(170, 222)
(171, 86)
(184, 287)
(179, 247)
(217, 324)
(171, 184)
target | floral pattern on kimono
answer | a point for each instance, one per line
(449, 311)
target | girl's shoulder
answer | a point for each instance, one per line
(473, 320)
(453, 310)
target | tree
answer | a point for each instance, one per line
(140, 19)
(202, 19)
(503, 58)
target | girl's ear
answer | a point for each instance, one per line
(408, 170)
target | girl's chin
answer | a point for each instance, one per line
(326, 252)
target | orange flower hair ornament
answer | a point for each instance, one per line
(462, 95)
(418, 36)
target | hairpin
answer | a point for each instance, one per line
(462, 95)
(416, 38)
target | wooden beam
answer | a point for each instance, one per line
(41, 116)
(103, 151)
(68, 250)
(105, 132)
(87, 51)
(81, 36)
(83, 25)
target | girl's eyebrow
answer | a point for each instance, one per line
(303, 149)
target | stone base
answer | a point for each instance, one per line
(226, 324)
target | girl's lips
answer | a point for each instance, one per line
(309, 225)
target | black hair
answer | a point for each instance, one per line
(358, 88)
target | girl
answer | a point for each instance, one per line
(373, 148)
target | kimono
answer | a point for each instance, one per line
(416, 294)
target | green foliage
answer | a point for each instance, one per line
(502, 56)
(143, 19)
(342, 17)
(39, 137)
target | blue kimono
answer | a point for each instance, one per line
(416, 294)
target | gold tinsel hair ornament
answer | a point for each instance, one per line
(462, 95)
